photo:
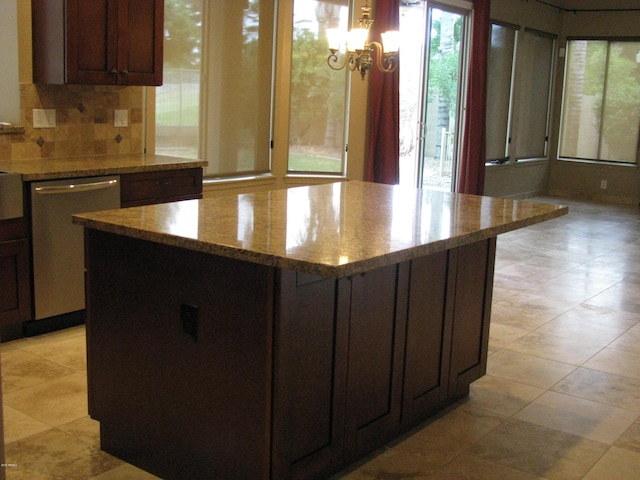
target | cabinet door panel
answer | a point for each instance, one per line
(375, 370)
(428, 335)
(15, 278)
(9, 299)
(472, 310)
(140, 26)
(91, 42)
(310, 369)
(140, 42)
(15, 283)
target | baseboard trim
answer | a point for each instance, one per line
(52, 324)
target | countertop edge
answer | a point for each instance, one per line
(56, 168)
(324, 270)
(98, 171)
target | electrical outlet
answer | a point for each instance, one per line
(44, 118)
(189, 320)
(121, 118)
(603, 184)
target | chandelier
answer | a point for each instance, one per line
(360, 52)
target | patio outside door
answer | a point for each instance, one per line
(433, 62)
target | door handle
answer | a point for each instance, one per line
(76, 187)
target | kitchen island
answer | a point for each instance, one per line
(285, 334)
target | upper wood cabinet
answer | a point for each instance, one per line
(98, 42)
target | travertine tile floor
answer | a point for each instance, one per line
(561, 398)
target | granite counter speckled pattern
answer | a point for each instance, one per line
(332, 230)
(94, 165)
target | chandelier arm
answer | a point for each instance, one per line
(386, 62)
(354, 61)
(332, 61)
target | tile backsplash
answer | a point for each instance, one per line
(84, 122)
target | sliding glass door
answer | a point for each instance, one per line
(432, 73)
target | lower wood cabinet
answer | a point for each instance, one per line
(472, 312)
(428, 333)
(206, 367)
(160, 186)
(15, 279)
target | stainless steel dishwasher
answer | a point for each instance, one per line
(58, 244)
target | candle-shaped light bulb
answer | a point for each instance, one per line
(335, 39)
(357, 39)
(390, 41)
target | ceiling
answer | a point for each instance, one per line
(593, 5)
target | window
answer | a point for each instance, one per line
(238, 81)
(534, 94)
(318, 96)
(500, 87)
(178, 99)
(217, 101)
(601, 101)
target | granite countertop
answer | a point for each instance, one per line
(94, 165)
(332, 230)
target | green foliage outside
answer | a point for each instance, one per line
(182, 43)
(444, 67)
(301, 162)
(612, 65)
(188, 111)
(317, 92)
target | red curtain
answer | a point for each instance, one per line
(473, 154)
(383, 162)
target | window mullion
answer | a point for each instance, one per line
(603, 108)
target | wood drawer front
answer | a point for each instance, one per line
(160, 186)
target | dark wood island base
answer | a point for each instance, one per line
(274, 373)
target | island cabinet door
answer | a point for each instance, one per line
(310, 349)
(428, 338)
(338, 369)
(472, 268)
(375, 359)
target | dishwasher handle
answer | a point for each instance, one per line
(76, 187)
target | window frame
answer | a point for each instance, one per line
(505, 122)
(518, 95)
